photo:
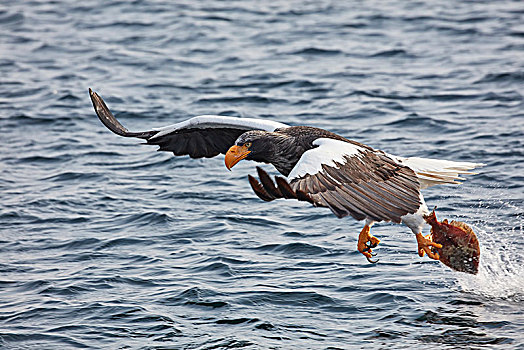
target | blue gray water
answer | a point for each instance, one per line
(108, 244)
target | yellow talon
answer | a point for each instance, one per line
(363, 245)
(426, 245)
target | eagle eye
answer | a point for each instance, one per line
(247, 144)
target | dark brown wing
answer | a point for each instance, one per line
(368, 186)
(268, 191)
(356, 181)
(202, 136)
(198, 143)
(108, 119)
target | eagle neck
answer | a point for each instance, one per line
(285, 152)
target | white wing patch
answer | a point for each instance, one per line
(218, 121)
(328, 152)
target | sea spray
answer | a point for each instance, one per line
(499, 228)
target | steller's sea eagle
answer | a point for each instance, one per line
(323, 168)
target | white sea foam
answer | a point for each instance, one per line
(501, 236)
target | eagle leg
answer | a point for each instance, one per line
(426, 246)
(365, 242)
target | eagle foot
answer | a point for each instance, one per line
(366, 242)
(372, 245)
(427, 246)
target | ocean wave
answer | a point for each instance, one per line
(317, 51)
(294, 249)
(106, 243)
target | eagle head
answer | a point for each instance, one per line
(254, 145)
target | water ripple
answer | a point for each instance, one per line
(105, 243)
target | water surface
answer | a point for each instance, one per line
(106, 244)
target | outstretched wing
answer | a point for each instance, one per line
(201, 136)
(348, 179)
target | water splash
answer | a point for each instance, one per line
(500, 232)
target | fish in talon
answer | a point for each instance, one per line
(458, 245)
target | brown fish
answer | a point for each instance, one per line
(460, 246)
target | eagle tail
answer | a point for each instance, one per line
(431, 172)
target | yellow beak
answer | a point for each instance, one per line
(235, 154)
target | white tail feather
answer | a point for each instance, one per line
(432, 172)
